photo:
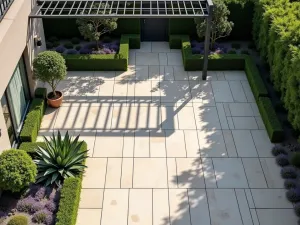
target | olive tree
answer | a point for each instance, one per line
(50, 67)
(92, 28)
(220, 26)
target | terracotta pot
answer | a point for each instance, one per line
(55, 103)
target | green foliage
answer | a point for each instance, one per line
(56, 43)
(232, 51)
(270, 119)
(134, 41)
(69, 45)
(92, 28)
(49, 45)
(75, 40)
(18, 220)
(175, 41)
(40, 93)
(50, 67)
(236, 45)
(30, 147)
(106, 39)
(33, 120)
(245, 52)
(182, 26)
(60, 159)
(220, 28)
(78, 47)
(295, 159)
(17, 170)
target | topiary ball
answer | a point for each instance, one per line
(75, 40)
(78, 47)
(297, 209)
(60, 49)
(56, 43)
(293, 195)
(72, 52)
(289, 172)
(68, 45)
(282, 160)
(290, 183)
(43, 216)
(295, 159)
(17, 170)
(18, 220)
(278, 149)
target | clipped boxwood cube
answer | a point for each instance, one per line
(40, 93)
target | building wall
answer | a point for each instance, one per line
(16, 37)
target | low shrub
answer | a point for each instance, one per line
(175, 41)
(40, 93)
(78, 47)
(60, 49)
(51, 206)
(278, 149)
(56, 43)
(282, 160)
(295, 159)
(53, 39)
(134, 40)
(43, 216)
(49, 45)
(231, 51)
(270, 119)
(236, 45)
(290, 183)
(30, 147)
(245, 51)
(18, 220)
(26, 205)
(75, 40)
(17, 170)
(33, 120)
(289, 172)
(297, 209)
(68, 45)
(293, 195)
(72, 52)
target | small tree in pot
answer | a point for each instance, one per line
(50, 67)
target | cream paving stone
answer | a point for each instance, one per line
(222, 92)
(141, 73)
(175, 91)
(260, 123)
(230, 173)
(140, 207)
(128, 145)
(229, 143)
(276, 216)
(235, 75)
(120, 92)
(180, 73)
(222, 116)
(106, 91)
(243, 207)
(160, 47)
(270, 199)
(230, 123)
(240, 109)
(124, 76)
(155, 92)
(174, 59)
(248, 91)
(179, 207)
(186, 119)
(115, 207)
(237, 91)
(91, 199)
(145, 47)
(156, 72)
(249, 198)
(161, 214)
(246, 123)
(223, 207)
(191, 143)
(209, 173)
(49, 118)
(108, 146)
(163, 59)
(207, 118)
(202, 92)
(175, 143)
(169, 118)
(127, 173)
(262, 143)
(254, 173)
(150, 173)
(254, 217)
(89, 137)
(272, 173)
(131, 60)
(142, 91)
(226, 109)
(220, 75)
(198, 207)
(105, 75)
(190, 173)
(168, 73)
(99, 117)
(146, 59)
(94, 176)
(212, 143)
(93, 215)
(194, 75)
(121, 117)
(244, 143)
(157, 144)
(113, 173)
(141, 144)
(172, 173)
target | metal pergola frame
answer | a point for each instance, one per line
(129, 9)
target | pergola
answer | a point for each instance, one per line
(129, 9)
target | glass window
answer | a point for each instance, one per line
(7, 117)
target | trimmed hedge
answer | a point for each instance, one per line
(104, 62)
(40, 93)
(268, 114)
(30, 147)
(33, 120)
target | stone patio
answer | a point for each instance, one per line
(167, 148)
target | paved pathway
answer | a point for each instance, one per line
(166, 148)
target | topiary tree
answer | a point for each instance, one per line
(50, 67)
(92, 28)
(18, 220)
(220, 26)
(17, 170)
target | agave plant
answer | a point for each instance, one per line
(59, 159)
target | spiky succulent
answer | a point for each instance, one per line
(59, 159)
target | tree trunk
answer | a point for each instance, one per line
(97, 45)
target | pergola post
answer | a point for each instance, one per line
(207, 39)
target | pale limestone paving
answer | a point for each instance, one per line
(166, 148)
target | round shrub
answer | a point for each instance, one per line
(56, 43)
(295, 159)
(60, 49)
(245, 51)
(75, 40)
(42, 216)
(293, 195)
(288, 172)
(17, 170)
(282, 160)
(78, 47)
(297, 209)
(278, 149)
(18, 220)
(84, 51)
(51, 206)
(40, 193)
(68, 45)
(236, 45)
(26, 205)
(91, 45)
(49, 45)
(72, 52)
(106, 39)
(290, 183)
(53, 39)
(232, 51)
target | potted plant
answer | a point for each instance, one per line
(50, 67)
